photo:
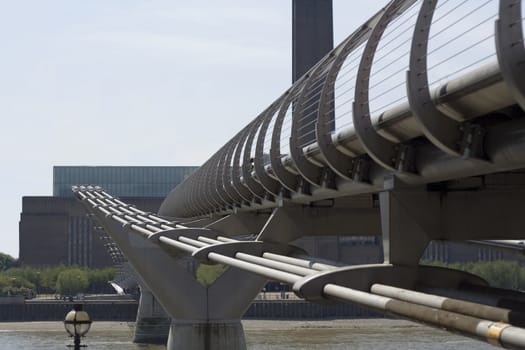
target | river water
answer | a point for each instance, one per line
(376, 334)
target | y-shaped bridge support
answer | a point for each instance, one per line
(203, 316)
(409, 222)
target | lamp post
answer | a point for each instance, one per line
(77, 324)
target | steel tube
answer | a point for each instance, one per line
(192, 242)
(260, 270)
(103, 210)
(144, 218)
(176, 244)
(141, 230)
(489, 331)
(310, 265)
(119, 219)
(512, 337)
(208, 240)
(482, 298)
(281, 262)
(263, 261)
(299, 262)
(301, 271)
(459, 306)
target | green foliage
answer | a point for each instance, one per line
(207, 274)
(10, 285)
(45, 280)
(48, 278)
(6, 261)
(500, 273)
(27, 274)
(99, 278)
(72, 281)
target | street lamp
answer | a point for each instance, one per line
(77, 324)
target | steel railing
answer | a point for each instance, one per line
(409, 93)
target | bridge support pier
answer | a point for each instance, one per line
(203, 336)
(410, 219)
(153, 324)
(205, 312)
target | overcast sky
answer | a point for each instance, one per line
(135, 82)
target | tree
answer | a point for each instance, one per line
(6, 261)
(72, 281)
(29, 274)
(99, 278)
(499, 273)
(10, 285)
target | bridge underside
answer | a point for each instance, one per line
(256, 247)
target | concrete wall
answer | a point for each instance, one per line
(304, 310)
(312, 30)
(126, 312)
(57, 311)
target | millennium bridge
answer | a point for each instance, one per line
(411, 129)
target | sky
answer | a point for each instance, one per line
(135, 82)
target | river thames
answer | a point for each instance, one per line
(370, 334)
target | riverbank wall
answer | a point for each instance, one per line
(127, 311)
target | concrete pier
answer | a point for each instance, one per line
(203, 316)
(207, 336)
(153, 323)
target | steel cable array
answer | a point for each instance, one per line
(495, 325)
